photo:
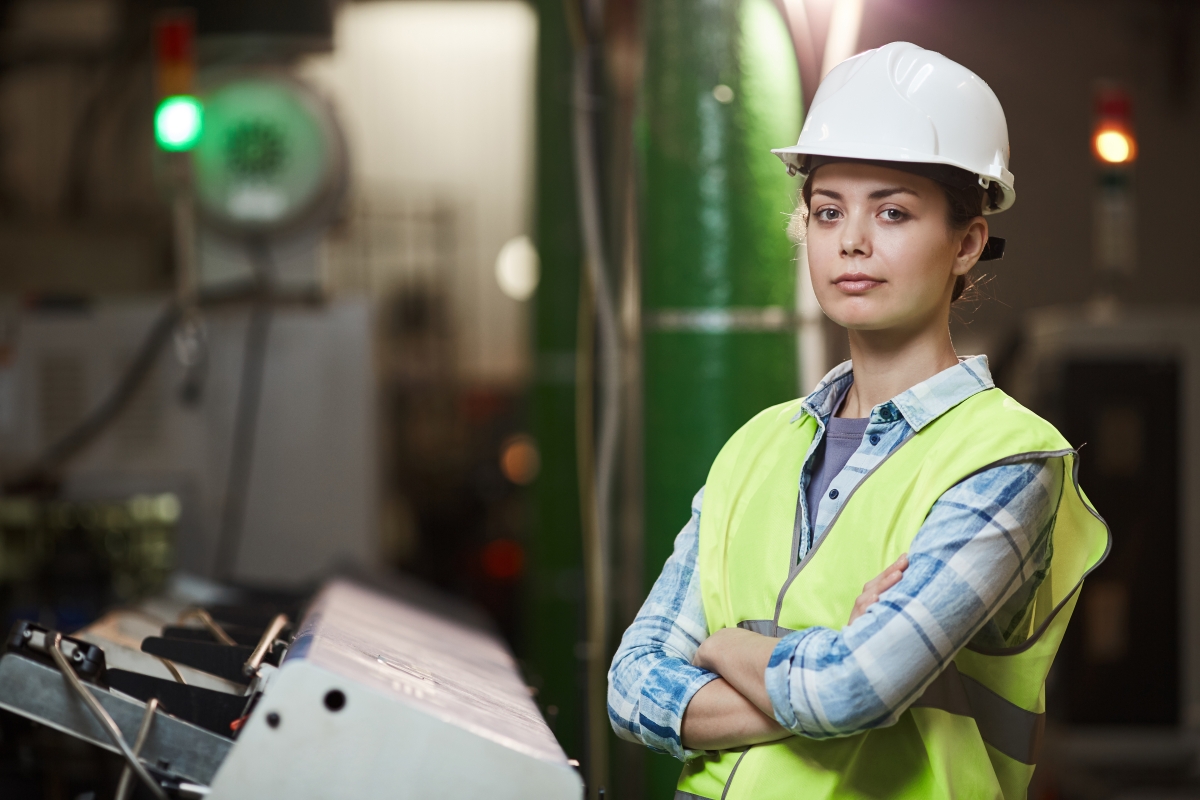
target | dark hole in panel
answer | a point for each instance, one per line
(335, 700)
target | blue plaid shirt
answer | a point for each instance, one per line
(973, 569)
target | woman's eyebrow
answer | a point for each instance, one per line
(879, 194)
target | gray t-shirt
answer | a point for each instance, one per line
(842, 438)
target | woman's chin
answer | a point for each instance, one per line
(864, 321)
(877, 314)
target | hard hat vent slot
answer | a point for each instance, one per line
(920, 78)
(902, 65)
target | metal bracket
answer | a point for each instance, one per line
(39, 692)
(34, 641)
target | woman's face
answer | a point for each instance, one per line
(880, 251)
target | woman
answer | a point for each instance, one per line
(876, 577)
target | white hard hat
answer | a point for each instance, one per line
(904, 103)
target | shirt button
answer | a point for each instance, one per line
(833, 494)
(874, 438)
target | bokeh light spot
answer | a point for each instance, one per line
(178, 123)
(520, 460)
(518, 268)
(503, 559)
(1113, 146)
(722, 94)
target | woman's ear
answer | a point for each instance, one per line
(970, 246)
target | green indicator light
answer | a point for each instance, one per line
(178, 123)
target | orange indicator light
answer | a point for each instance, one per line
(1114, 146)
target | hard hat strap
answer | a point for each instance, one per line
(993, 250)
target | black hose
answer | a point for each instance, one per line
(73, 441)
(241, 460)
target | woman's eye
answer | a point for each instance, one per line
(893, 214)
(827, 214)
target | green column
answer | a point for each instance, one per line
(554, 610)
(719, 277)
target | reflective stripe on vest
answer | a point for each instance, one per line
(975, 730)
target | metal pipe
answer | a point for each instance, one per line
(183, 214)
(841, 41)
(245, 425)
(804, 42)
(264, 644)
(174, 670)
(598, 528)
(556, 620)
(205, 619)
(720, 88)
(102, 716)
(125, 785)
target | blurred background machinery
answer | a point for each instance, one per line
(63, 562)
(1123, 695)
(310, 471)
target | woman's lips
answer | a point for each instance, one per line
(856, 282)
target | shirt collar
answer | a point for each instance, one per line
(919, 405)
(828, 395)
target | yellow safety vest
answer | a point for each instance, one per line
(976, 730)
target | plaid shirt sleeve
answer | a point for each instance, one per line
(652, 679)
(973, 567)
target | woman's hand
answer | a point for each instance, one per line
(740, 657)
(734, 711)
(711, 649)
(877, 586)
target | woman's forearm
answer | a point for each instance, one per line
(719, 717)
(741, 658)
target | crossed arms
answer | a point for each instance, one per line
(972, 569)
(735, 710)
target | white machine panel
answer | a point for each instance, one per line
(381, 699)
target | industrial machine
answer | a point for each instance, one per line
(109, 399)
(310, 471)
(1123, 385)
(229, 430)
(354, 692)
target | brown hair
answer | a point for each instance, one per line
(964, 201)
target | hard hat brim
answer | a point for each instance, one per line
(793, 157)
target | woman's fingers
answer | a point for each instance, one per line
(889, 580)
(892, 575)
(864, 601)
(885, 580)
(873, 588)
